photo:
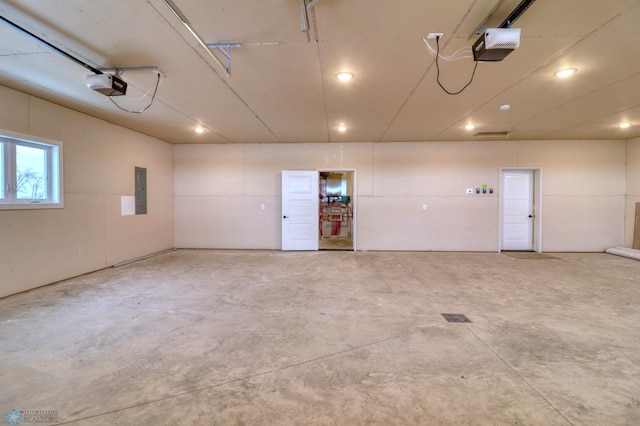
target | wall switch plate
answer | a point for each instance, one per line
(469, 191)
(262, 206)
(424, 207)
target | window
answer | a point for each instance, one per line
(30, 172)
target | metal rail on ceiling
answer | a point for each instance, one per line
(510, 19)
(181, 16)
(50, 46)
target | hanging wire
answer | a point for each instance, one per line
(155, 90)
(453, 57)
(438, 72)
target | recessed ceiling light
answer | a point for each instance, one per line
(344, 76)
(199, 129)
(469, 126)
(505, 107)
(565, 72)
(624, 125)
(342, 128)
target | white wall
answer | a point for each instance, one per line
(583, 192)
(219, 190)
(589, 193)
(633, 188)
(38, 247)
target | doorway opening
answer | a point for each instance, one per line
(336, 216)
(520, 210)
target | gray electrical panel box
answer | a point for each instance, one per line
(141, 190)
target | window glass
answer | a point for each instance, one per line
(31, 173)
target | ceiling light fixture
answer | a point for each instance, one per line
(624, 125)
(344, 76)
(567, 72)
(342, 128)
(505, 107)
(469, 126)
(199, 130)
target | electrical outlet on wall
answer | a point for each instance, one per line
(433, 36)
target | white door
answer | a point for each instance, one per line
(300, 219)
(517, 210)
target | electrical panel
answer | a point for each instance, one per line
(141, 190)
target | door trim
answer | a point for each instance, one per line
(537, 206)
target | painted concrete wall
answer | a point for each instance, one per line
(38, 247)
(633, 188)
(219, 190)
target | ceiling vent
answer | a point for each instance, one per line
(492, 135)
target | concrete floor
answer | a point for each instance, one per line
(277, 338)
(335, 244)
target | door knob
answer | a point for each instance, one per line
(530, 215)
(285, 217)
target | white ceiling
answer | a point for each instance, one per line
(282, 88)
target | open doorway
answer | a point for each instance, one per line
(337, 210)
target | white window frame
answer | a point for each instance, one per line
(55, 191)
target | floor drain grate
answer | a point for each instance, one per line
(456, 318)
